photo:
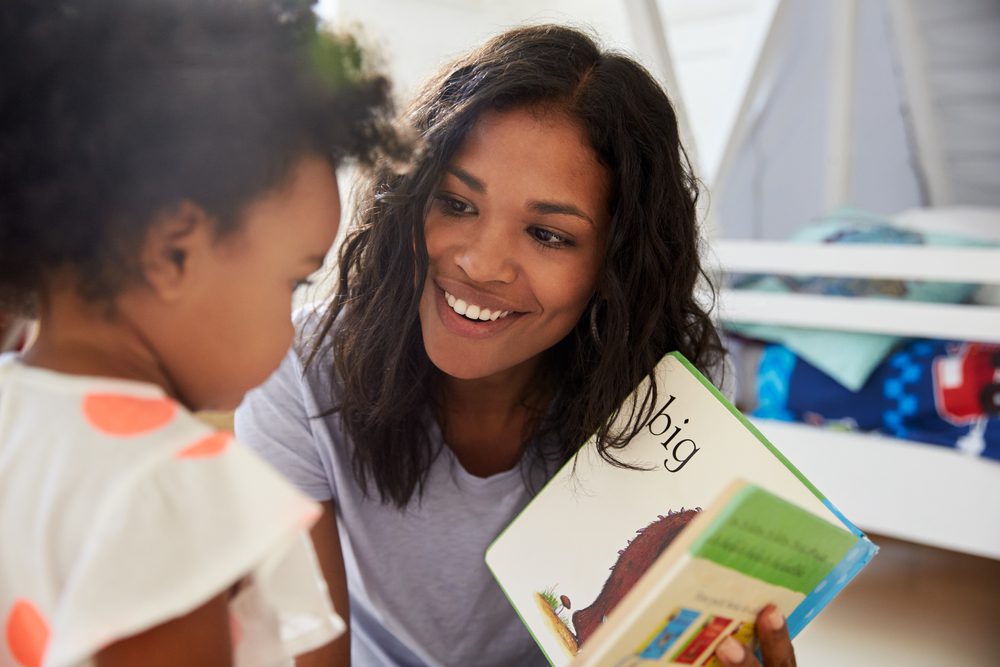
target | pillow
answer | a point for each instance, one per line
(849, 357)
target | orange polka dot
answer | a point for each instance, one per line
(127, 415)
(27, 634)
(211, 446)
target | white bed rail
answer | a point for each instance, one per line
(914, 491)
(916, 262)
(877, 315)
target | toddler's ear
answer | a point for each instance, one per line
(174, 242)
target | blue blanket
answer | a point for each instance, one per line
(941, 392)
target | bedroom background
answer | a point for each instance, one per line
(876, 125)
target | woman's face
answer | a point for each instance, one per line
(515, 238)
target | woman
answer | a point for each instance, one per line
(495, 305)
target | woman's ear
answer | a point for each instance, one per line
(173, 246)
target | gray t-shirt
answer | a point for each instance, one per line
(420, 592)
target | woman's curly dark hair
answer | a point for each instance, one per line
(112, 111)
(644, 305)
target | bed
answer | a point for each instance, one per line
(897, 487)
(891, 486)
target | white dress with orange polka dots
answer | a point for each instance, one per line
(119, 511)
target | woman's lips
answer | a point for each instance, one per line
(463, 326)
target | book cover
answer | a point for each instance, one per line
(571, 558)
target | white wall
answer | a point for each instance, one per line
(415, 37)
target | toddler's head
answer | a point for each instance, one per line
(169, 164)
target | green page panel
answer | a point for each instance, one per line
(770, 539)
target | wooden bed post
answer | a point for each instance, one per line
(840, 122)
(916, 91)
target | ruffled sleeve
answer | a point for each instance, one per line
(184, 528)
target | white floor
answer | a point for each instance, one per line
(913, 606)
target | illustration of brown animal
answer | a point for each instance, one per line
(632, 563)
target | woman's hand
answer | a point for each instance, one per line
(775, 646)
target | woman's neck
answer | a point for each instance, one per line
(484, 421)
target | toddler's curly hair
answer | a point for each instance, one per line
(114, 111)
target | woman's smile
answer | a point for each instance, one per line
(456, 316)
(474, 311)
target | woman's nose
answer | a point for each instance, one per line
(488, 254)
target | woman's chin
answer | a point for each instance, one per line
(461, 369)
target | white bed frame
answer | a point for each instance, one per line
(913, 491)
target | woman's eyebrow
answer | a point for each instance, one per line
(541, 207)
(467, 178)
(549, 208)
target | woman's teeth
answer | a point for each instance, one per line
(474, 312)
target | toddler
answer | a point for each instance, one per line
(168, 172)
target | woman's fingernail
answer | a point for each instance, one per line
(775, 620)
(731, 650)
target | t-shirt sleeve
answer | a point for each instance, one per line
(191, 526)
(274, 420)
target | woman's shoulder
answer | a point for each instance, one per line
(310, 361)
(309, 321)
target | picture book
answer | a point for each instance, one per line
(601, 565)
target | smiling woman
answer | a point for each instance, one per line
(516, 227)
(495, 305)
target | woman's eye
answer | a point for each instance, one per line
(549, 238)
(453, 206)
